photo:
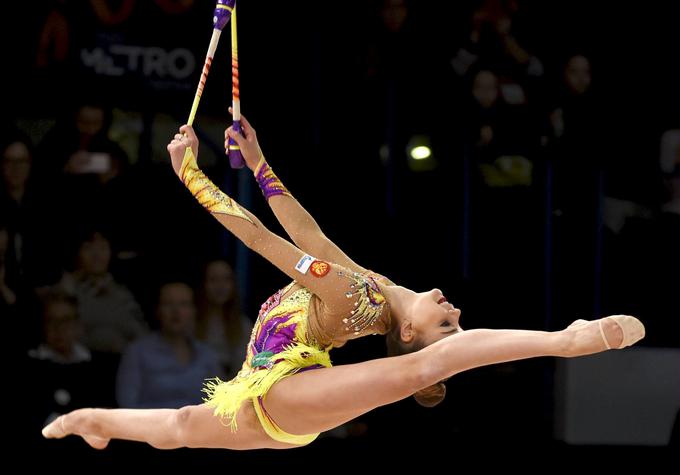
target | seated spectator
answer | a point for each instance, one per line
(28, 215)
(498, 145)
(165, 368)
(89, 172)
(62, 332)
(110, 315)
(576, 142)
(220, 321)
(573, 120)
(69, 375)
(493, 38)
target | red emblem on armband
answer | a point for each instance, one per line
(320, 268)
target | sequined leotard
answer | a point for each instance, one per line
(285, 341)
(296, 327)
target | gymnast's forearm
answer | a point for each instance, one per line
(295, 219)
(239, 221)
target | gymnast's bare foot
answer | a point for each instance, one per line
(59, 428)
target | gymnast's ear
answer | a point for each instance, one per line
(406, 331)
(431, 395)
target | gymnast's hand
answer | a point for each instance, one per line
(250, 148)
(177, 147)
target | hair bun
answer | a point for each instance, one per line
(431, 395)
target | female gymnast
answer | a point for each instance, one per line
(287, 392)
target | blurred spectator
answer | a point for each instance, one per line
(55, 38)
(27, 213)
(492, 40)
(17, 157)
(62, 332)
(220, 321)
(499, 146)
(573, 116)
(70, 146)
(393, 38)
(52, 56)
(110, 314)
(70, 376)
(167, 368)
(394, 112)
(89, 171)
(503, 206)
(575, 140)
(575, 143)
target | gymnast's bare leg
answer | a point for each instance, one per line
(322, 399)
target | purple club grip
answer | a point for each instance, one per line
(222, 13)
(235, 156)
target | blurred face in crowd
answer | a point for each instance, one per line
(394, 13)
(176, 310)
(577, 74)
(94, 256)
(62, 327)
(219, 282)
(485, 89)
(16, 165)
(90, 120)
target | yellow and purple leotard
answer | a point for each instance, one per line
(281, 345)
(349, 305)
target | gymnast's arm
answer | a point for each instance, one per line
(325, 279)
(298, 223)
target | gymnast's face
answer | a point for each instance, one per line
(433, 318)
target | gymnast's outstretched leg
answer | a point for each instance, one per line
(319, 400)
(190, 426)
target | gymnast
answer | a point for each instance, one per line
(287, 391)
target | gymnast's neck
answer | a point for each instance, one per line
(329, 330)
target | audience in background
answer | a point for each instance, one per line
(220, 320)
(29, 213)
(167, 368)
(493, 39)
(66, 374)
(110, 314)
(575, 145)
